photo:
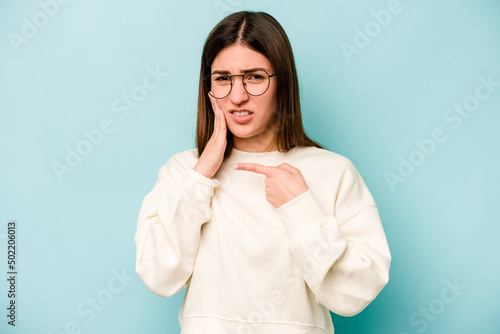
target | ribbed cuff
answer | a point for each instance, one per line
(300, 212)
(202, 178)
(199, 189)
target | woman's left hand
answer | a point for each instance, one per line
(283, 182)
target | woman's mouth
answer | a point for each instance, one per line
(242, 116)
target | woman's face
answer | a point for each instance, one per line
(254, 134)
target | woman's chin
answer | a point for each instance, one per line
(240, 134)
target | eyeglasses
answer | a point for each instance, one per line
(254, 82)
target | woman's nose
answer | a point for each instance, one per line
(238, 93)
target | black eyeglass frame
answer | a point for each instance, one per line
(242, 81)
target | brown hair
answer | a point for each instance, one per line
(261, 32)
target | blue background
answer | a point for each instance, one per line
(75, 232)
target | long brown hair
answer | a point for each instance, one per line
(261, 32)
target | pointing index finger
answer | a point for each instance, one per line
(256, 168)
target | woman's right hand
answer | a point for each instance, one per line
(213, 154)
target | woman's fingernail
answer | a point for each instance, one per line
(236, 166)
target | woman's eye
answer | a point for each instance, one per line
(256, 77)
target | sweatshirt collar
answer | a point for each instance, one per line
(259, 156)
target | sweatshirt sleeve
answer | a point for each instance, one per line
(169, 227)
(343, 258)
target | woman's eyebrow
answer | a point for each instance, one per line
(241, 70)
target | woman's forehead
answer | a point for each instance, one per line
(237, 58)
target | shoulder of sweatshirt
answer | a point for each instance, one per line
(177, 165)
(325, 159)
(353, 195)
(185, 159)
(336, 171)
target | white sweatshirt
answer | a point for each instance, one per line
(250, 267)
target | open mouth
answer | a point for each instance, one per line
(241, 113)
(242, 116)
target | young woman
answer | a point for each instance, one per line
(266, 229)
